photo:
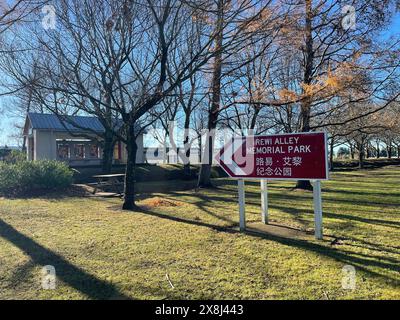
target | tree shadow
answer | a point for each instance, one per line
(75, 277)
(252, 198)
(363, 262)
(350, 241)
(386, 223)
(228, 229)
(361, 193)
(371, 246)
(49, 194)
(296, 211)
(21, 273)
(202, 205)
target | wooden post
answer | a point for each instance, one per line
(317, 209)
(242, 213)
(264, 201)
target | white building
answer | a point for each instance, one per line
(169, 155)
(48, 137)
(156, 155)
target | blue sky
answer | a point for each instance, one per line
(7, 120)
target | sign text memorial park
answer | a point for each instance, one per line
(297, 156)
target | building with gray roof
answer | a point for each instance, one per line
(73, 139)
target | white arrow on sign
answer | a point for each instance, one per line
(226, 158)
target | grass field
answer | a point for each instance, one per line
(102, 252)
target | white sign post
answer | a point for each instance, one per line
(317, 209)
(264, 201)
(242, 213)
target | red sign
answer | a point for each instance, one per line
(297, 156)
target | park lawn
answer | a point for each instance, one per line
(101, 252)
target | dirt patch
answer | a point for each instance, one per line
(278, 230)
(160, 202)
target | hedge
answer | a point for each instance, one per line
(30, 176)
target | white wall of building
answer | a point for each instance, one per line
(45, 146)
(156, 156)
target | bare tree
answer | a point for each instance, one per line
(324, 57)
(220, 16)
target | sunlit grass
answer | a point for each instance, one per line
(100, 251)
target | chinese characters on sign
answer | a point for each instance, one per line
(288, 156)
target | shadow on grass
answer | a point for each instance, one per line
(372, 246)
(386, 223)
(203, 205)
(347, 217)
(362, 262)
(21, 273)
(75, 277)
(207, 200)
(393, 192)
(350, 241)
(187, 221)
(328, 197)
(72, 191)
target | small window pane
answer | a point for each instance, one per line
(94, 151)
(79, 151)
(63, 151)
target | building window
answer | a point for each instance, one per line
(117, 151)
(79, 151)
(94, 151)
(62, 151)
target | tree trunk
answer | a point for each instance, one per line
(187, 171)
(186, 167)
(305, 111)
(377, 150)
(165, 151)
(131, 148)
(205, 169)
(361, 157)
(389, 151)
(186, 146)
(108, 153)
(352, 155)
(200, 149)
(332, 144)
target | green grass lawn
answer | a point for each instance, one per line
(102, 252)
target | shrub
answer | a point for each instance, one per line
(15, 156)
(33, 176)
